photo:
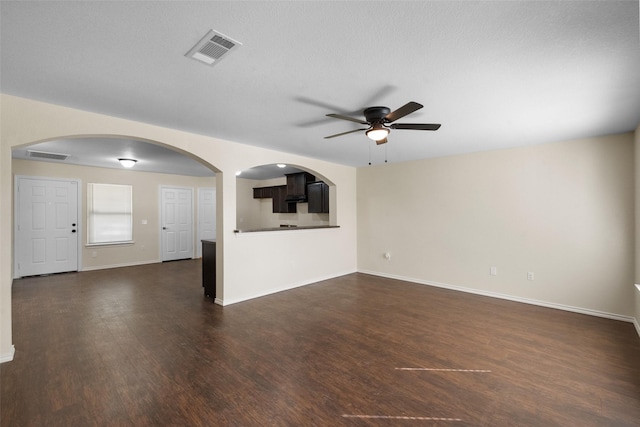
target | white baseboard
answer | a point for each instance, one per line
(226, 302)
(126, 264)
(509, 298)
(8, 357)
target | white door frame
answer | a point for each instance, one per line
(161, 216)
(16, 213)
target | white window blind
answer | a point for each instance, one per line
(110, 215)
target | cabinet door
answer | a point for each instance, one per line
(280, 204)
(325, 198)
(318, 197)
(297, 183)
(262, 192)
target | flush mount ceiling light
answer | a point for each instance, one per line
(377, 132)
(127, 163)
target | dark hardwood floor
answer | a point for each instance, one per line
(141, 346)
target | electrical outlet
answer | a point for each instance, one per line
(530, 275)
(493, 271)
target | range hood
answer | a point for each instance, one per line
(296, 198)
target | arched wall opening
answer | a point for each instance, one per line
(159, 164)
(278, 195)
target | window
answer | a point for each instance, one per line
(109, 214)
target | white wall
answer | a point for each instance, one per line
(563, 211)
(249, 265)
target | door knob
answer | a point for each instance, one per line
(164, 228)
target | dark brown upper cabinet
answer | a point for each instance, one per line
(280, 203)
(297, 186)
(263, 192)
(318, 197)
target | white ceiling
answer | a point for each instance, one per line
(495, 74)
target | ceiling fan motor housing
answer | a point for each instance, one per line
(376, 114)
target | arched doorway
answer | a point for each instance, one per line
(282, 195)
(94, 159)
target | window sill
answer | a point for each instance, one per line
(93, 245)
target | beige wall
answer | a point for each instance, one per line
(249, 265)
(146, 246)
(6, 251)
(258, 213)
(637, 218)
(564, 211)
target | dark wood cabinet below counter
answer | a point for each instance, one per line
(209, 268)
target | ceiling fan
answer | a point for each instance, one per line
(378, 119)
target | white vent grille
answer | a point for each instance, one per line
(212, 48)
(45, 155)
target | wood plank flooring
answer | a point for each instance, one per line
(141, 346)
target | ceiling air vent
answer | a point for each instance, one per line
(212, 48)
(45, 155)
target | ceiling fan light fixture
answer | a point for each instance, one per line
(127, 163)
(377, 132)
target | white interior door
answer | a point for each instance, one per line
(177, 223)
(206, 216)
(46, 226)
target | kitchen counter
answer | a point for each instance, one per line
(287, 228)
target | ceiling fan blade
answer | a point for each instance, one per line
(378, 95)
(407, 108)
(351, 119)
(344, 133)
(415, 126)
(382, 141)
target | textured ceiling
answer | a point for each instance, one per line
(495, 74)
